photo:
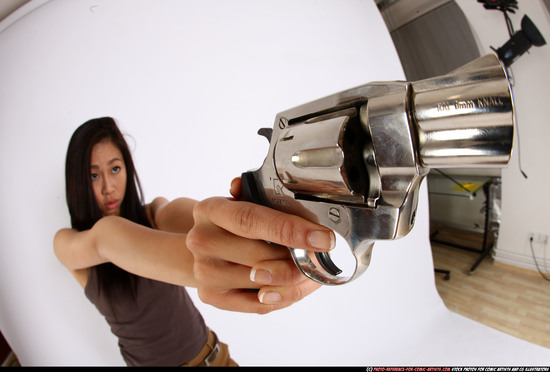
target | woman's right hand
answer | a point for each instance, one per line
(234, 266)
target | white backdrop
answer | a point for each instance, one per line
(191, 82)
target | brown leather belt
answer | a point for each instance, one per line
(213, 353)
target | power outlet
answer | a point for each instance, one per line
(538, 238)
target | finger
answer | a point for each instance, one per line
(287, 295)
(258, 222)
(213, 241)
(238, 300)
(235, 189)
(222, 276)
(276, 273)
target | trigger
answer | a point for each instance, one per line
(327, 264)
(266, 132)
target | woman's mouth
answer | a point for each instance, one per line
(112, 205)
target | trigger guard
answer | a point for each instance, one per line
(309, 268)
(327, 264)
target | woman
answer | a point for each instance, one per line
(134, 260)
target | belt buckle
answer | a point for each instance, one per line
(213, 353)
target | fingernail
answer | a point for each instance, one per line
(270, 297)
(322, 240)
(261, 276)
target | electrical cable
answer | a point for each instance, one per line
(472, 194)
(507, 6)
(535, 259)
(509, 24)
(518, 142)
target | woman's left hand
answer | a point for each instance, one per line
(234, 266)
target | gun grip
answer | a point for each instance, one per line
(250, 191)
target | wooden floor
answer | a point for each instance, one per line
(513, 300)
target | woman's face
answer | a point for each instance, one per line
(108, 177)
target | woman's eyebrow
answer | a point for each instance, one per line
(95, 166)
(113, 160)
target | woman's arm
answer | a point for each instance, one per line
(153, 254)
(224, 255)
(135, 248)
(175, 216)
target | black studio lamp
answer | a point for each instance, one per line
(521, 41)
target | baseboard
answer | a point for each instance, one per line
(520, 261)
(516, 268)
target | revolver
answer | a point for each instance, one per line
(353, 161)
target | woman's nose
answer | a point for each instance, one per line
(107, 185)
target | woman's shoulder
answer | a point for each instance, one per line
(152, 209)
(175, 216)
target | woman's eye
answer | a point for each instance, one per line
(115, 169)
(94, 176)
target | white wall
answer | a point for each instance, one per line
(9, 6)
(192, 81)
(525, 202)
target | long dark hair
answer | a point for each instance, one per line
(83, 207)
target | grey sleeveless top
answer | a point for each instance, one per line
(161, 328)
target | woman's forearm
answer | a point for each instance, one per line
(144, 251)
